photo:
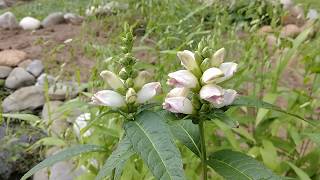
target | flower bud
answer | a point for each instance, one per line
(148, 91)
(123, 74)
(108, 98)
(228, 69)
(183, 78)
(142, 78)
(197, 57)
(112, 80)
(131, 96)
(206, 52)
(189, 62)
(178, 92)
(129, 82)
(218, 57)
(211, 75)
(205, 64)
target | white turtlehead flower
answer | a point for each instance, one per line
(182, 78)
(217, 96)
(189, 62)
(228, 69)
(212, 93)
(178, 105)
(211, 75)
(108, 98)
(148, 91)
(80, 123)
(178, 92)
(142, 78)
(112, 79)
(218, 57)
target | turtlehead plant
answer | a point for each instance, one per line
(197, 88)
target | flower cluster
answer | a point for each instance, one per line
(200, 82)
(130, 87)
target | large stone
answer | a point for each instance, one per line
(35, 68)
(290, 30)
(53, 19)
(287, 3)
(8, 21)
(73, 18)
(27, 98)
(45, 78)
(11, 57)
(29, 23)
(62, 91)
(3, 4)
(24, 64)
(4, 71)
(19, 78)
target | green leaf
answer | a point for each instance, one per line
(119, 156)
(151, 138)
(251, 102)
(315, 137)
(269, 98)
(63, 155)
(299, 172)
(26, 117)
(269, 154)
(224, 118)
(188, 134)
(235, 165)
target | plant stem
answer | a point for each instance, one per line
(203, 151)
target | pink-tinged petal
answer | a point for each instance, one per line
(178, 92)
(178, 105)
(211, 75)
(108, 98)
(229, 96)
(182, 78)
(228, 69)
(112, 80)
(148, 91)
(213, 94)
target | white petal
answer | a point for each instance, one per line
(183, 78)
(80, 123)
(210, 75)
(218, 57)
(228, 68)
(113, 80)
(229, 96)
(178, 105)
(108, 98)
(212, 93)
(148, 91)
(189, 62)
(178, 92)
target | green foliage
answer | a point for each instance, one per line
(235, 165)
(151, 139)
(63, 155)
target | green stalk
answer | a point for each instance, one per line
(203, 151)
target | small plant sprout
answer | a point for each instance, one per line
(196, 90)
(130, 88)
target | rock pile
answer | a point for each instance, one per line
(25, 79)
(9, 21)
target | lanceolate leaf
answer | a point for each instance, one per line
(188, 134)
(251, 102)
(63, 155)
(151, 138)
(123, 152)
(235, 165)
(219, 114)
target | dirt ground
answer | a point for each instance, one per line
(48, 45)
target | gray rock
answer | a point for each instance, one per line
(62, 91)
(24, 64)
(8, 21)
(43, 78)
(35, 68)
(312, 14)
(290, 30)
(27, 98)
(73, 18)
(286, 3)
(53, 19)
(51, 115)
(4, 71)
(19, 78)
(3, 4)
